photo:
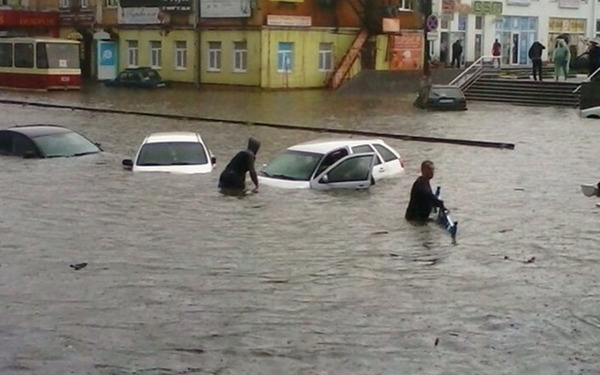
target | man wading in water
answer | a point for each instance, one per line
(233, 179)
(422, 199)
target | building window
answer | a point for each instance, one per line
(325, 57)
(132, 53)
(64, 3)
(240, 57)
(84, 4)
(478, 22)
(181, 55)
(405, 5)
(5, 2)
(111, 3)
(155, 54)
(214, 56)
(285, 57)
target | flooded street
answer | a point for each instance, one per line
(181, 280)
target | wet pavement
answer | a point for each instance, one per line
(181, 280)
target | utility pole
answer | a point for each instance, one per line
(426, 12)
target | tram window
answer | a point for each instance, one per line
(24, 55)
(6, 55)
(41, 58)
(62, 55)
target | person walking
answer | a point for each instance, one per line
(457, 50)
(496, 53)
(535, 54)
(561, 58)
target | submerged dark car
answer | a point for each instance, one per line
(146, 78)
(45, 141)
(441, 97)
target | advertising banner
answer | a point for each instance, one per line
(225, 8)
(407, 52)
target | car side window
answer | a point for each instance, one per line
(352, 169)
(330, 159)
(22, 145)
(366, 149)
(124, 76)
(6, 143)
(385, 153)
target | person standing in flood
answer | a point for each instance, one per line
(233, 178)
(422, 199)
(561, 58)
(457, 51)
(535, 54)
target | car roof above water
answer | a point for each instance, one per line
(37, 130)
(173, 137)
(326, 145)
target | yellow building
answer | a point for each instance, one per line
(271, 57)
(172, 52)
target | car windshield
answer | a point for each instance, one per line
(445, 91)
(292, 165)
(65, 144)
(172, 153)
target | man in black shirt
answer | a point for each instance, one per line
(233, 178)
(422, 199)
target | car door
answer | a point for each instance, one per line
(391, 163)
(351, 172)
(379, 169)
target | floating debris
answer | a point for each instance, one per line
(78, 266)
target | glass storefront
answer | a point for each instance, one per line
(516, 34)
(574, 28)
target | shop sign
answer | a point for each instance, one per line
(572, 4)
(484, 8)
(140, 16)
(81, 17)
(28, 19)
(520, 3)
(448, 6)
(298, 21)
(225, 8)
(407, 52)
(176, 5)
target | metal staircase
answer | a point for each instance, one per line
(483, 82)
(343, 68)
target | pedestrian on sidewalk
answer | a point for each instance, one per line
(535, 54)
(561, 58)
(496, 53)
(456, 53)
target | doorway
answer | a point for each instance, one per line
(478, 46)
(514, 51)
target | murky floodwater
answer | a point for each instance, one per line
(181, 280)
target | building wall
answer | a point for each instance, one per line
(168, 70)
(541, 10)
(226, 74)
(305, 58)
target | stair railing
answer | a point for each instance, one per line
(588, 79)
(468, 76)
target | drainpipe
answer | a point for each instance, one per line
(426, 11)
(198, 33)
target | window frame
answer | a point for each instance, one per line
(84, 4)
(64, 4)
(324, 55)
(156, 55)
(214, 56)
(181, 55)
(242, 54)
(111, 3)
(285, 56)
(406, 6)
(132, 54)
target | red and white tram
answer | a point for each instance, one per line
(39, 63)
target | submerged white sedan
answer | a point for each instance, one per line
(175, 152)
(332, 163)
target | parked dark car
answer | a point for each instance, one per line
(138, 78)
(45, 141)
(441, 97)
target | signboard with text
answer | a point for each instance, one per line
(26, 18)
(483, 8)
(225, 8)
(140, 16)
(81, 17)
(571, 4)
(298, 21)
(407, 52)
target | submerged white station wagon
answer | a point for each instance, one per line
(332, 163)
(174, 152)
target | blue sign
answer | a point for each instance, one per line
(107, 54)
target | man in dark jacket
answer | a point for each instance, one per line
(456, 53)
(535, 54)
(422, 199)
(233, 178)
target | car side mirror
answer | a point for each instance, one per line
(324, 179)
(127, 163)
(213, 160)
(29, 155)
